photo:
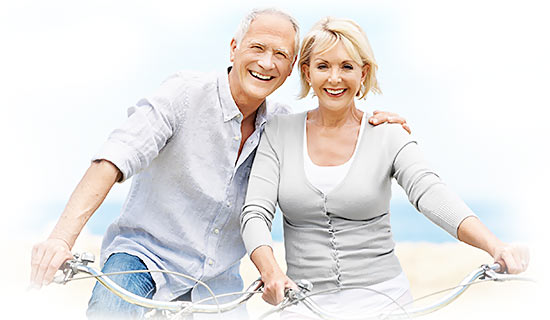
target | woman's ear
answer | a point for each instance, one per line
(305, 70)
(365, 72)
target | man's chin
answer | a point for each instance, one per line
(260, 93)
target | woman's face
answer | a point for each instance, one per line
(335, 77)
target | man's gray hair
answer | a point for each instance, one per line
(247, 20)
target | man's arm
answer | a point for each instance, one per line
(380, 117)
(49, 255)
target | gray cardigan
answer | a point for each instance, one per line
(342, 238)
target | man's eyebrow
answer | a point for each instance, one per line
(283, 50)
(252, 43)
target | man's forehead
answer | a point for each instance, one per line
(270, 27)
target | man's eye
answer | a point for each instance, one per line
(281, 54)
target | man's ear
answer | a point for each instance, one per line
(293, 63)
(232, 48)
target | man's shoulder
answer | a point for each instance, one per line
(193, 81)
(274, 108)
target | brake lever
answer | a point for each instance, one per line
(70, 267)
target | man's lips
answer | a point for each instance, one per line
(260, 76)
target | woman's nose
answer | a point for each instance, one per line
(334, 76)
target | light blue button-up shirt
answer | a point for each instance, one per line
(182, 212)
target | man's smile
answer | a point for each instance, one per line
(260, 76)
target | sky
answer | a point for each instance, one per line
(470, 77)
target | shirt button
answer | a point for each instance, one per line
(210, 262)
(216, 231)
(237, 138)
(228, 203)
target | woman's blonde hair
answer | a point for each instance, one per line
(324, 35)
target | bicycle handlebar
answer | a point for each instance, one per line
(488, 272)
(80, 265)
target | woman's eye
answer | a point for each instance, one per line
(348, 67)
(321, 66)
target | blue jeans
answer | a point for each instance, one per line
(105, 305)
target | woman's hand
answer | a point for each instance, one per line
(380, 117)
(513, 258)
(274, 279)
(275, 285)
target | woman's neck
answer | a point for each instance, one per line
(325, 117)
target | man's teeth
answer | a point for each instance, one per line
(335, 91)
(261, 76)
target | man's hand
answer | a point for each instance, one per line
(274, 287)
(389, 117)
(46, 259)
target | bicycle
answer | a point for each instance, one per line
(180, 309)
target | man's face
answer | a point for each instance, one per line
(264, 58)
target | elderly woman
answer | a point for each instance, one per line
(330, 172)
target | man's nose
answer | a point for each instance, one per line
(266, 61)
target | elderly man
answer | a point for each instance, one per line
(189, 146)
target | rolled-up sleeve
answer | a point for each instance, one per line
(150, 124)
(424, 187)
(261, 198)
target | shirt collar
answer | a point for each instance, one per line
(229, 107)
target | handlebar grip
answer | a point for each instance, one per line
(496, 267)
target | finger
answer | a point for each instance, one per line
(289, 284)
(511, 264)
(279, 294)
(524, 256)
(406, 127)
(267, 298)
(43, 267)
(57, 261)
(37, 255)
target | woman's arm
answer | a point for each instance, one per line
(49, 255)
(514, 259)
(437, 202)
(259, 212)
(274, 279)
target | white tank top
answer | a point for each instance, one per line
(325, 178)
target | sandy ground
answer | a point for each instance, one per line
(430, 268)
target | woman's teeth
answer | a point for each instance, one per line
(335, 91)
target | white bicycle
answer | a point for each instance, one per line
(180, 309)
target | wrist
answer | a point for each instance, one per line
(60, 239)
(493, 246)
